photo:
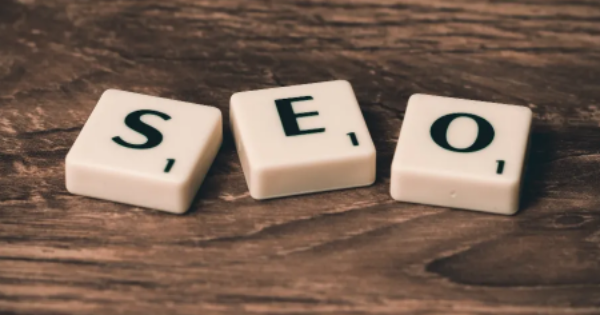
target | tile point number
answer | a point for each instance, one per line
(353, 138)
(500, 168)
(170, 163)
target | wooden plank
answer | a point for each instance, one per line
(353, 251)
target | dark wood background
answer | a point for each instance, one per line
(353, 251)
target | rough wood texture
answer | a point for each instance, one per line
(353, 251)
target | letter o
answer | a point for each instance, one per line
(485, 135)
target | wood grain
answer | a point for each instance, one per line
(347, 252)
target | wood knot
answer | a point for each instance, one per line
(570, 221)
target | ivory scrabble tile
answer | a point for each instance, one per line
(302, 139)
(145, 151)
(461, 154)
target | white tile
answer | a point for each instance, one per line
(299, 139)
(144, 150)
(461, 154)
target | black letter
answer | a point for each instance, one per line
(133, 121)
(289, 118)
(485, 135)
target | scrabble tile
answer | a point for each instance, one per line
(461, 154)
(302, 139)
(144, 151)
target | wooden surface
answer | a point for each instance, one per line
(353, 251)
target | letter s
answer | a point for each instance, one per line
(153, 136)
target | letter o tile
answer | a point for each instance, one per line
(461, 154)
